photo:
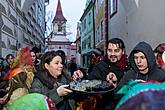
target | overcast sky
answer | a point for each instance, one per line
(72, 11)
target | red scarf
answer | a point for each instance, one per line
(122, 63)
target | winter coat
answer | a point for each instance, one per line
(153, 74)
(100, 72)
(103, 68)
(45, 84)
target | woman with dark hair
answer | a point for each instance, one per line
(34, 59)
(52, 81)
(8, 62)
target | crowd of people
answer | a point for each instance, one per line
(30, 73)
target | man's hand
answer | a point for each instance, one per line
(111, 78)
(77, 75)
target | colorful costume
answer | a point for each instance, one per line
(19, 77)
(142, 96)
(32, 101)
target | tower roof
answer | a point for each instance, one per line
(59, 15)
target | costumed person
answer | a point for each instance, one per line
(33, 101)
(159, 50)
(52, 81)
(142, 96)
(19, 78)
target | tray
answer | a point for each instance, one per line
(91, 87)
(92, 92)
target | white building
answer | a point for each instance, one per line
(57, 40)
(137, 20)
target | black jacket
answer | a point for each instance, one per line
(103, 68)
(133, 74)
(153, 74)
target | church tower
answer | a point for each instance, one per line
(59, 21)
(58, 40)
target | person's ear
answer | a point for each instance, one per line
(123, 51)
(46, 66)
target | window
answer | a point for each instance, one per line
(98, 33)
(89, 18)
(84, 45)
(102, 30)
(89, 42)
(84, 24)
(113, 7)
(59, 28)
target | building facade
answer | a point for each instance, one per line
(87, 34)
(131, 20)
(94, 26)
(137, 20)
(99, 28)
(78, 44)
(22, 24)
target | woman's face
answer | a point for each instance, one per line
(55, 66)
(33, 55)
(10, 60)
